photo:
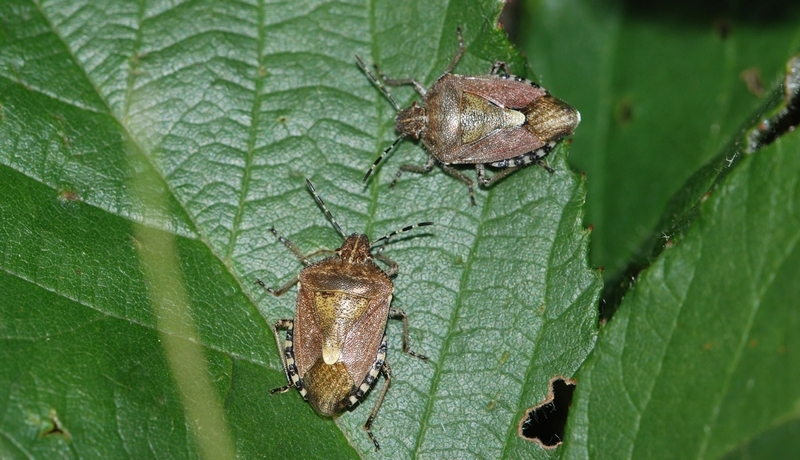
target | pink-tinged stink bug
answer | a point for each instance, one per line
(498, 120)
(335, 346)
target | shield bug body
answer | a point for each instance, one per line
(335, 346)
(498, 120)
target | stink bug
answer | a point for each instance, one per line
(499, 120)
(335, 346)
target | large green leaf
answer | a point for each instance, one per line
(145, 151)
(662, 87)
(700, 360)
(702, 354)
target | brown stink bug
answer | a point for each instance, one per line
(335, 346)
(498, 120)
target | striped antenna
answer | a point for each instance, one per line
(397, 232)
(378, 160)
(325, 208)
(377, 83)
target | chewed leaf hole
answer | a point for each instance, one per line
(54, 426)
(545, 423)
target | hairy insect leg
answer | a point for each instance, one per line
(402, 81)
(497, 66)
(290, 246)
(458, 55)
(545, 167)
(457, 174)
(396, 313)
(520, 162)
(287, 325)
(392, 270)
(487, 181)
(281, 290)
(299, 254)
(386, 370)
(414, 168)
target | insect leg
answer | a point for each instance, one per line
(402, 81)
(391, 263)
(281, 290)
(414, 168)
(287, 325)
(487, 181)
(497, 66)
(291, 246)
(545, 167)
(513, 164)
(459, 53)
(457, 174)
(397, 313)
(386, 370)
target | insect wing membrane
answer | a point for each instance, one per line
(517, 141)
(307, 339)
(363, 341)
(502, 92)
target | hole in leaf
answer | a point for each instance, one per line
(545, 423)
(55, 427)
(787, 118)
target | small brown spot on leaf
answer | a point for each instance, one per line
(493, 403)
(752, 78)
(545, 423)
(68, 196)
(503, 358)
(753, 343)
(624, 112)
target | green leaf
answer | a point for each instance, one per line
(662, 89)
(146, 150)
(702, 355)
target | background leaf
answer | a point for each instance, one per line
(698, 361)
(126, 123)
(701, 356)
(662, 89)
